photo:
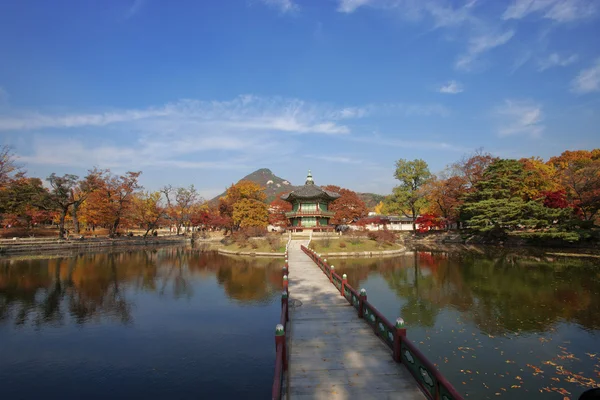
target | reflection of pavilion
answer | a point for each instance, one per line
(310, 207)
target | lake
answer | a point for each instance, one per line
(497, 323)
(155, 324)
(181, 323)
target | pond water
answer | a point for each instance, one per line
(498, 324)
(155, 324)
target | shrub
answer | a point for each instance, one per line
(253, 244)
(354, 237)
(255, 231)
(342, 245)
(240, 238)
(382, 237)
(274, 242)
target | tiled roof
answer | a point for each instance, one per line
(310, 192)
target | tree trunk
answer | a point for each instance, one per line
(74, 217)
(114, 227)
(61, 223)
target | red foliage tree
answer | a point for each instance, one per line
(428, 222)
(348, 208)
(277, 210)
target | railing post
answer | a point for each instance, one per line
(280, 339)
(399, 335)
(284, 270)
(344, 283)
(361, 299)
(331, 271)
(285, 283)
(284, 305)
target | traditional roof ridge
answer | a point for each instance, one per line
(310, 191)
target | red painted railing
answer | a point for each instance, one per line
(281, 356)
(431, 381)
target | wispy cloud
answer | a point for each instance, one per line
(555, 60)
(479, 45)
(520, 117)
(349, 6)
(244, 112)
(135, 7)
(557, 10)
(588, 80)
(285, 6)
(452, 87)
(378, 140)
(338, 159)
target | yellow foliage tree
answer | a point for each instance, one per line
(250, 213)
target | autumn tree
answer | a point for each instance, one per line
(445, 196)
(180, 202)
(148, 210)
(408, 197)
(579, 174)
(228, 204)
(112, 201)
(500, 201)
(24, 201)
(7, 165)
(472, 167)
(277, 210)
(348, 207)
(61, 196)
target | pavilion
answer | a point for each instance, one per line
(310, 207)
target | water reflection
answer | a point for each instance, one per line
(493, 319)
(95, 286)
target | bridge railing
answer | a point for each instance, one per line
(432, 382)
(281, 350)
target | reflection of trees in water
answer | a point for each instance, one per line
(102, 285)
(498, 290)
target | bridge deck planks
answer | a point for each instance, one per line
(333, 353)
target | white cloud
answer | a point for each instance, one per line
(588, 80)
(452, 87)
(557, 10)
(349, 6)
(520, 117)
(247, 112)
(285, 6)
(479, 45)
(555, 60)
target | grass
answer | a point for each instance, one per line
(364, 245)
(262, 247)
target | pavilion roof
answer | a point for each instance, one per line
(310, 191)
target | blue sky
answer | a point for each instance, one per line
(205, 92)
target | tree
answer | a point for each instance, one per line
(348, 207)
(429, 222)
(408, 198)
(7, 165)
(250, 213)
(180, 202)
(501, 201)
(148, 210)
(277, 210)
(579, 175)
(111, 203)
(61, 197)
(445, 196)
(243, 190)
(471, 168)
(24, 201)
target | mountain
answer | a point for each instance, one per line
(275, 186)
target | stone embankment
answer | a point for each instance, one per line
(249, 253)
(35, 245)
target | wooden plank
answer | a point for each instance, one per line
(332, 353)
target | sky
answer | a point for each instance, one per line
(205, 92)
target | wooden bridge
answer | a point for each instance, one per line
(333, 344)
